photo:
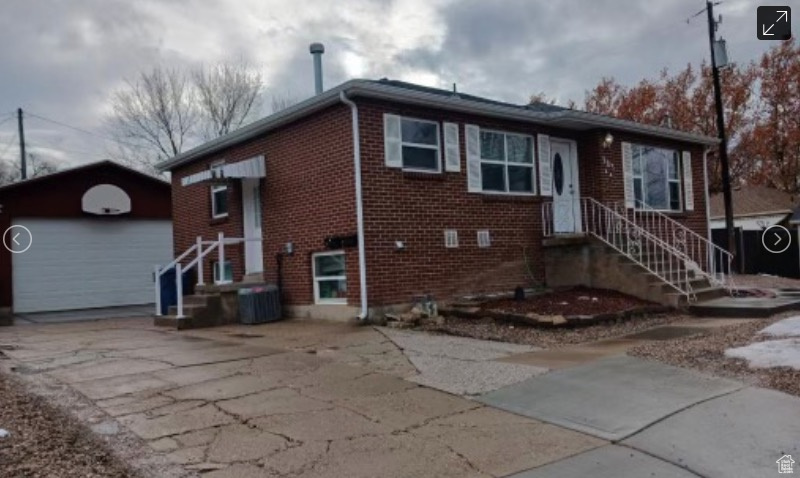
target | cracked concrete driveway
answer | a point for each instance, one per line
(297, 398)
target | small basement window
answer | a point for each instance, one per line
(484, 240)
(450, 238)
(420, 143)
(219, 195)
(227, 274)
(330, 278)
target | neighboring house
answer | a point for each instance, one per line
(754, 208)
(454, 194)
(97, 231)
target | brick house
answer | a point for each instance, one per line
(454, 194)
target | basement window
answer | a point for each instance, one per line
(330, 278)
(219, 195)
(450, 238)
(656, 178)
(484, 240)
(227, 275)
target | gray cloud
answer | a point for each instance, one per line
(63, 60)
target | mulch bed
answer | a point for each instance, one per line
(574, 301)
(45, 442)
(706, 352)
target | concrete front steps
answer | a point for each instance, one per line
(210, 306)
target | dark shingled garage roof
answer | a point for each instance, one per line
(753, 201)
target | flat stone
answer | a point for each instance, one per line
(296, 459)
(132, 404)
(194, 419)
(332, 424)
(239, 471)
(410, 407)
(108, 427)
(462, 377)
(391, 457)
(217, 354)
(271, 402)
(223, 388)
(499, 443)
(186, 456)
(367, 386)
(106, 369)
(611, 398)
(236, 443)
(741, 434)
(609, 461)
(164, 444)
(196, 438)
(201, 373)
(116, 386)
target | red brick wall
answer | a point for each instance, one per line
(307, 195)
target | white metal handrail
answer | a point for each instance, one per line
(708, 259)
(639, 245)
(180, 269)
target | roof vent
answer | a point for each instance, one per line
(317, 49)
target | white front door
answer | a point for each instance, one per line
(251, 220)
(566, 190)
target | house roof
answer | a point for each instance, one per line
(83, 168)
(753, 201)
(409, 93)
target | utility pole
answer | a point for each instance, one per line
(23, 166)
(723, 142)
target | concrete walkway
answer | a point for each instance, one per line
(313, 399)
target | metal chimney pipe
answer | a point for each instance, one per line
(317, 49)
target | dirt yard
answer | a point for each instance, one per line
(573, 301)
(45, 442)
(706, 352)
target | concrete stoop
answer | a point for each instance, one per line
(210, 306)
(587, 261)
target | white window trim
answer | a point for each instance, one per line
(438, 146)
(484, 239)
(531, 165)
(640, 176)
(317, 298)
(215, 273)
(451, 238)
(215, 188)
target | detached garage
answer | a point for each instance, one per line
(82, 238)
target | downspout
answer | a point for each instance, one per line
(710, 258)
(362, 261)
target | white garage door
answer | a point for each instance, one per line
(77, 264)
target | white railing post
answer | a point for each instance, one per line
(158, 289)
(200, 279)
(179, 288)
(221, 263)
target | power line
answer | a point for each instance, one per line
(63, 150)
(8, 146)
(81, 130)
(10, 117)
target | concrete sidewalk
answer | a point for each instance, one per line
(669, 421)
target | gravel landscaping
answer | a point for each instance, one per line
(766, 281)
(45, 442)
(492, 329)
(706, 352)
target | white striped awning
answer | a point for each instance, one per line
(249, 168)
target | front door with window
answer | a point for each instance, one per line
(251, 220)
(566, 191)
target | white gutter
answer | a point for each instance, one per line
(362, 260)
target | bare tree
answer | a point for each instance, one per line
(154, 116)
(281, 101)
(10, 172)
(228, 95)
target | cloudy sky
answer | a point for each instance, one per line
(62, 59)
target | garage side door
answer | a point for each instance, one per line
(84, 263)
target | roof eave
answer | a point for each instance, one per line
(578, 119)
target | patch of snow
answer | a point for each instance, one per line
(784, 328)
(4, 433)
(771, 353)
